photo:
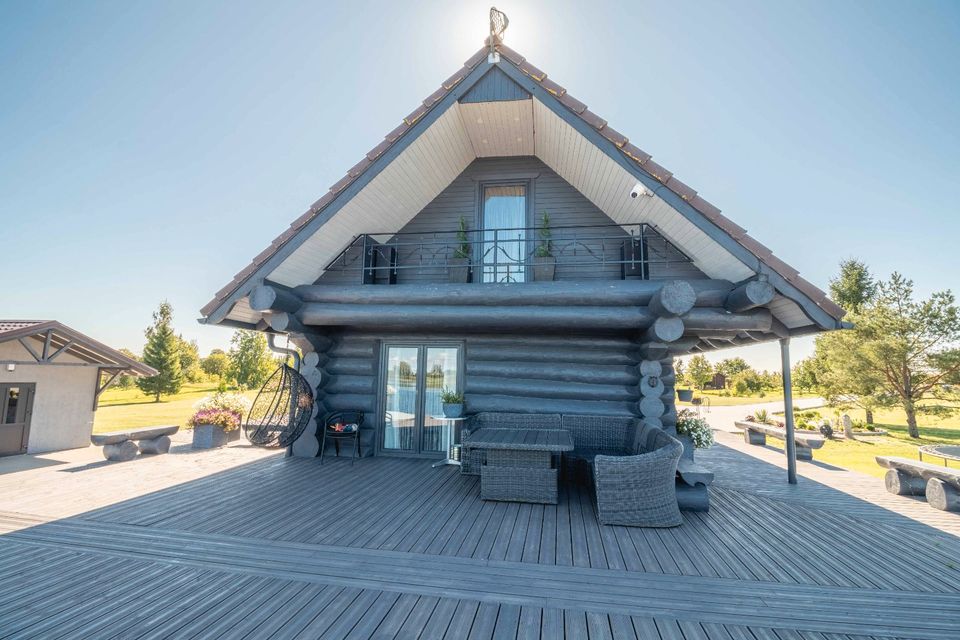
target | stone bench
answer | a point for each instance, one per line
(906, 477)
(805, 441)
(120, 446)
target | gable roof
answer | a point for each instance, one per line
(524, 74)
(66, 340)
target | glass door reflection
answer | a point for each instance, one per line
(414, 379)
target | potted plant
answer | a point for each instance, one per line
(216, 420)
(544, 262)
(459, 270)
(684, 395)
(452, 403)
(694, 432)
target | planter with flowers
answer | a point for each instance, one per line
(693, 432)
(216, 420)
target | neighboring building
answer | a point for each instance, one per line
(50, 379)
(429, 266)
(717, 383)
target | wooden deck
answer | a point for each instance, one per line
(265, 547)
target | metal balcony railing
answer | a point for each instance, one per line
(508, 255)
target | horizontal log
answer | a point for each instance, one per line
(673, 299)
(600, 374)
(283, 322)
(557, 352)
(749, 295)
(476, 402)
(471, 317)
(709, 293)
(650, 368)
(666, 329)
(712, 319)
(267, 298)
(651, 386)
(650, 407)
(653, 350)
(531, 388)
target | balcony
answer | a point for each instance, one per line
(523, 254)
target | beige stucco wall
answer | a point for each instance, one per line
(63, 403)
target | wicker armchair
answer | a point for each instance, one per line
(640, 490)
(472, 459)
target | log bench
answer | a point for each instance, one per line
(121, 446)
(906, 477)
(756, 433)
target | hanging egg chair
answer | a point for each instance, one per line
(281, 411)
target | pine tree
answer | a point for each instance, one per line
(162, 352)
(854, 287)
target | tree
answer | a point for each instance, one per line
(162, 352)
(190, 359)
(731, 367)
(910, 346)
(747, 383)
(805, 374)
(843, 374)
(699, 372)
(216, 365)
(854, 287)
(125, 380)
(250, 358)
(678, 369)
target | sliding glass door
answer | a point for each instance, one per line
(413, 377)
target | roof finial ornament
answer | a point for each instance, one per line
(498, 24)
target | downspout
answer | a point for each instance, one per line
(287, 351)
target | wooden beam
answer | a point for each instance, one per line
(46, 344)
(711, 319)
(750, 295)
(665, 329)
(283, 322)
(29, 349)
(791, 445)
(60, 350)
(102, 386)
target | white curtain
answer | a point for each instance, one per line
(504, 216)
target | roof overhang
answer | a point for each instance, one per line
(48, 340)
(440, 139)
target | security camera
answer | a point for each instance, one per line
(640, 190)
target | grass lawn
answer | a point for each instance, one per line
(859, 454)
(124, 409)
(716, 400)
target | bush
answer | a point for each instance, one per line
(696, 428)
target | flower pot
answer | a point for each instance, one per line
(684, 395)
(211, 436)
(544, 268)
(688, 447)
(453, 410)
(459, 270)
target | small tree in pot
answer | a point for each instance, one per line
(460, 262)
(544, 262)
(452, 403)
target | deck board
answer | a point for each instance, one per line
(389, 547)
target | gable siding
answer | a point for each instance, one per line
(495, 86)
(551, 193)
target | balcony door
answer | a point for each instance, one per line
(503, 210)
(412, 379)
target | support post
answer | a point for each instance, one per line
(791, 445)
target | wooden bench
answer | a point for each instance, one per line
(906, 477)
(693, 482)
(121, 446)
(805, 441)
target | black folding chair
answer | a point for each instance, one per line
(342, 425)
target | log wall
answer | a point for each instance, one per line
(523, 373)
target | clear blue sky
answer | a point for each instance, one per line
(149, 150)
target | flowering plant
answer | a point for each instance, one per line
(696, 428)
(221, 409)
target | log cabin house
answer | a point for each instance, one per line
(506, 241)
